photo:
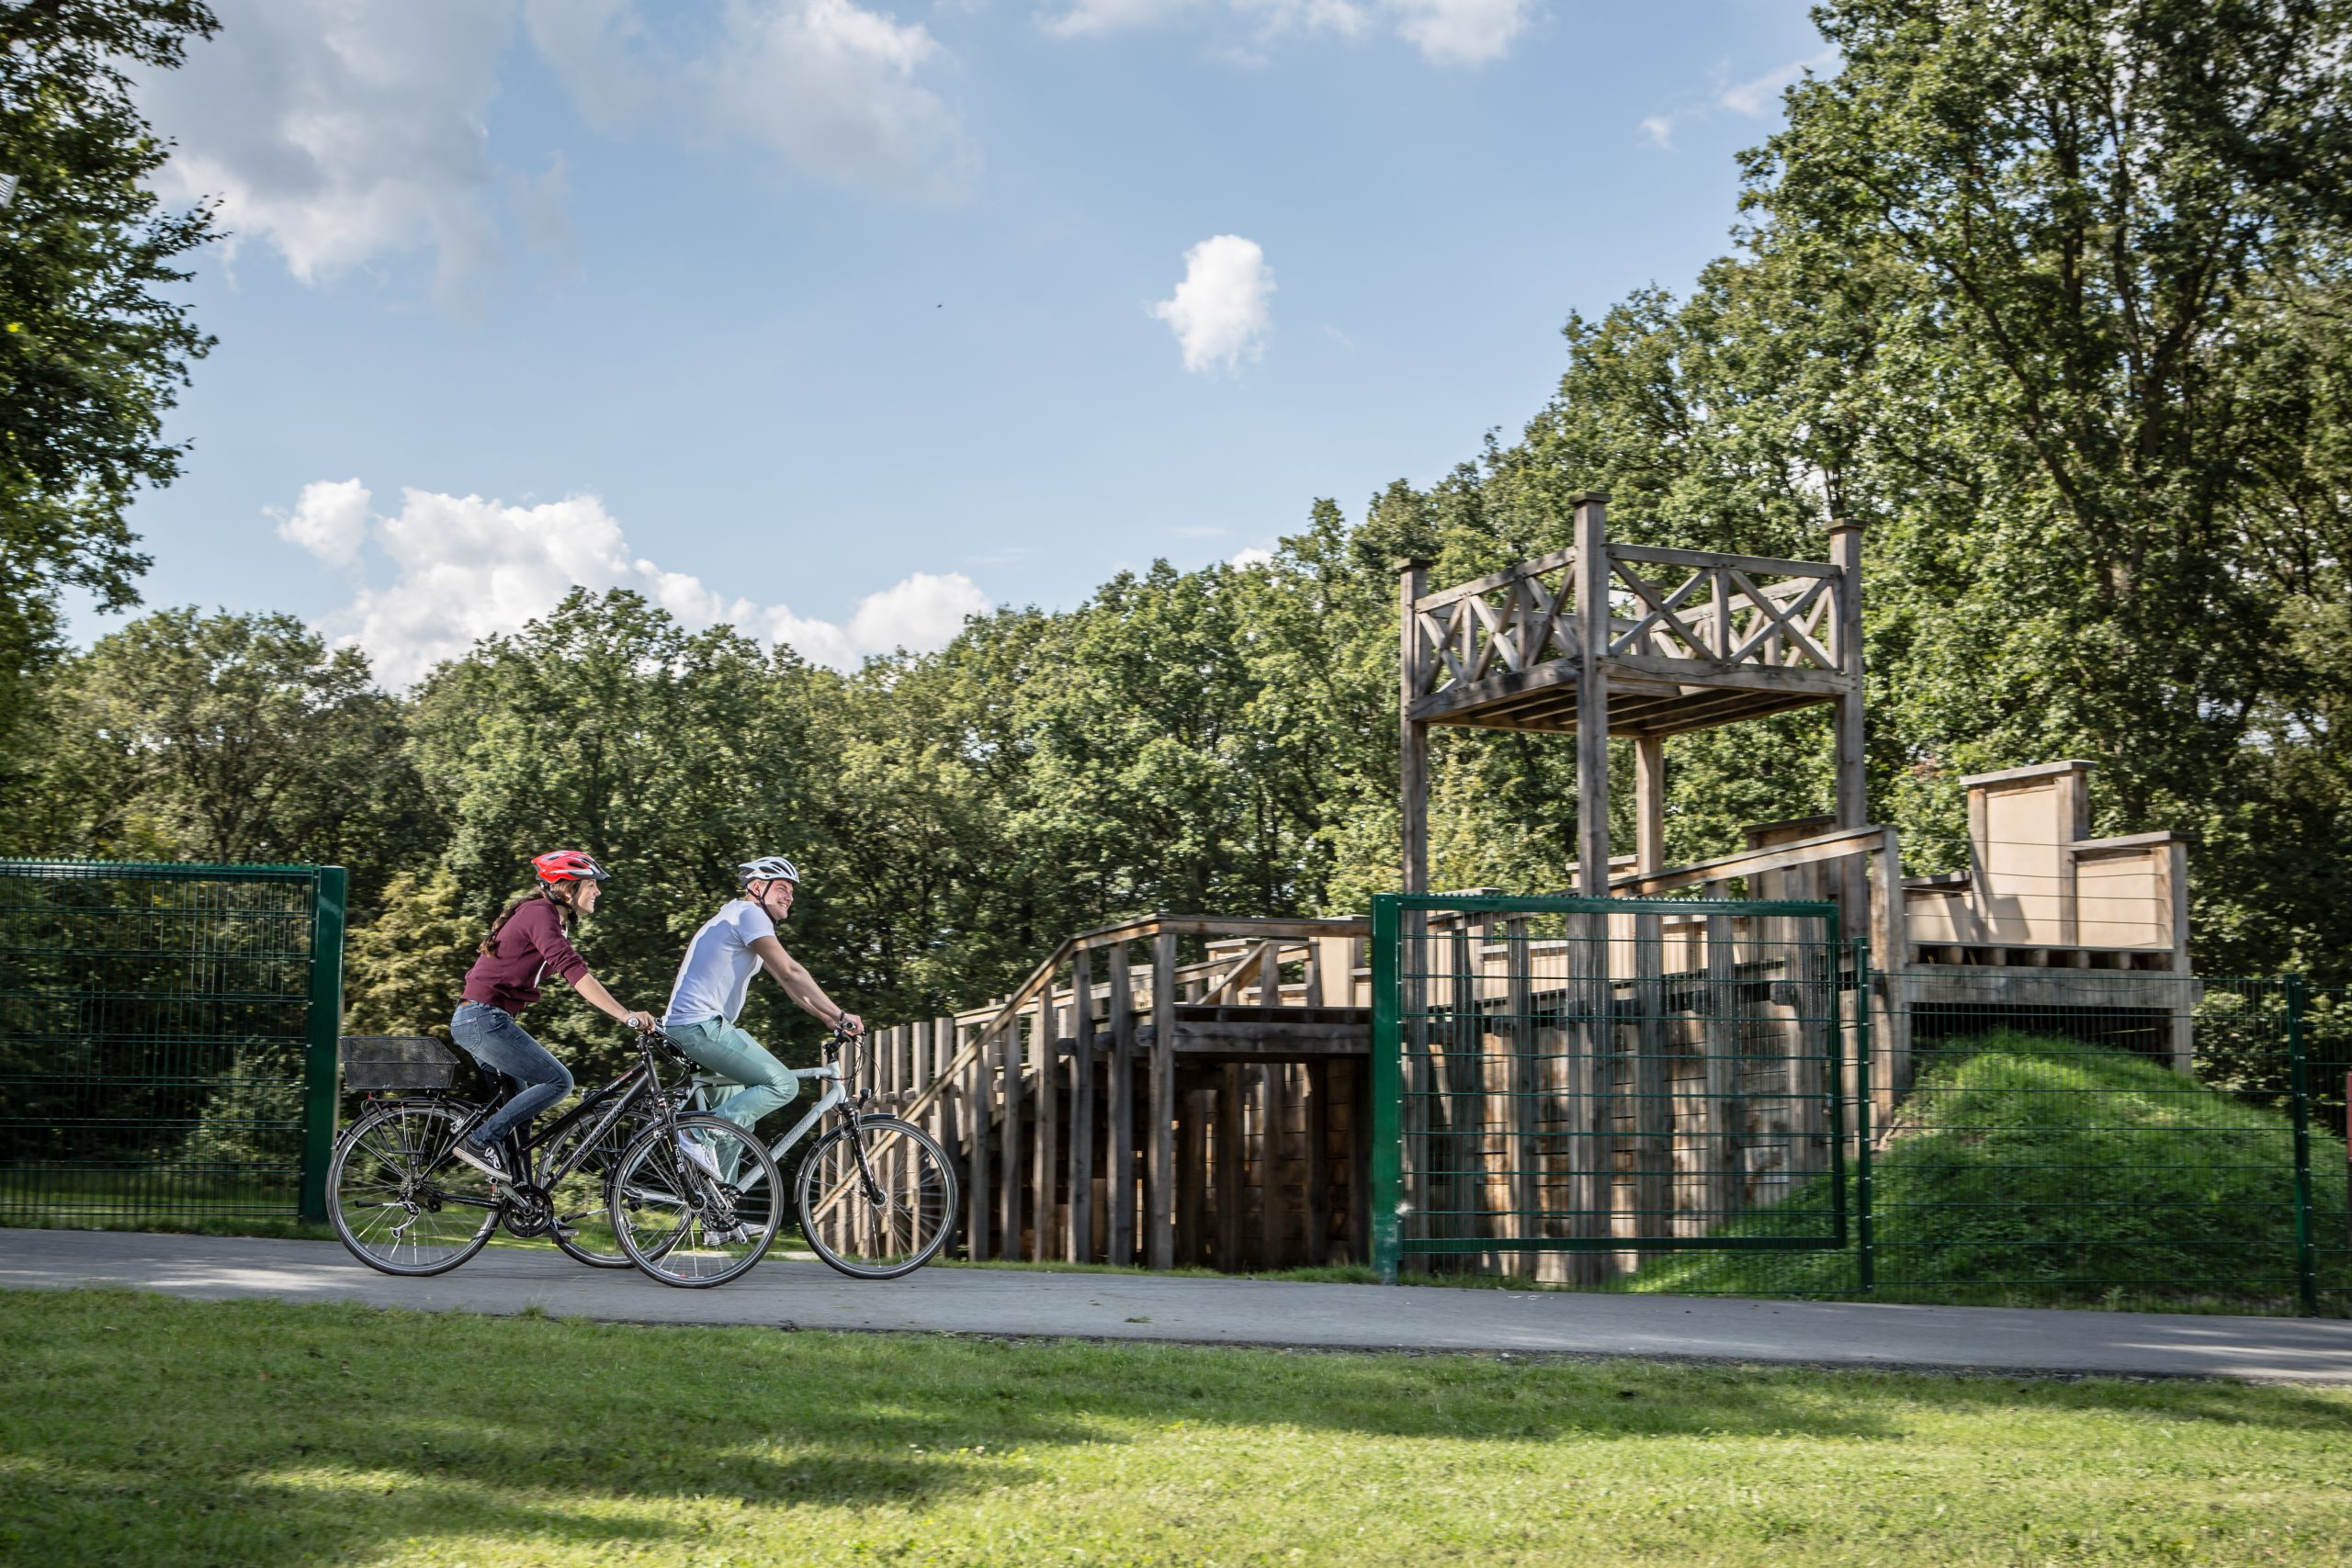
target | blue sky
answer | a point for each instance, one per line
(838, 320)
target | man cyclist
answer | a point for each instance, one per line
(714, 978)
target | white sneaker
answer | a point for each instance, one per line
(731, 1236)
(704, 1160)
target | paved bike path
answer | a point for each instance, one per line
(784, 1292)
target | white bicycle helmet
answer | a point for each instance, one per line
(767, 868)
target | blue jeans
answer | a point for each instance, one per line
(768, 1084)
(491, 1036)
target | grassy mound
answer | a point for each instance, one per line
(2029, 1169)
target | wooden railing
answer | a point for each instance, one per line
(966, 1076)
(1725, 612)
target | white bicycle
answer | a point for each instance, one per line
(876, 1196)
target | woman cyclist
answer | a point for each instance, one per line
(714, 978)
(527, 941)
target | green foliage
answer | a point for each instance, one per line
(92, 344)
(225, 738)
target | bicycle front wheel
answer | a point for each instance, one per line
(876, 1198)
(681, 1223)
(392, 1207)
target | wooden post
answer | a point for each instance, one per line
(1853, 779)
(1319, 1167)
(1360, 1163)
(944, 1109)
(1725, 1161)
(1649, 803)
(1229, 1158)
(978, 1207)
(1592, 695)
(1045, 1050)
(1159, 1238)
(1081, 1110)
(1015, 1163)
(1273, 1190)
(2173, 870)
(1652, 1088)
(1413, 780)
(1119, 1187)
(1890, 939)
(1524, 1087)
(1193, 1155)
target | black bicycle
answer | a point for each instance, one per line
(622, 1179)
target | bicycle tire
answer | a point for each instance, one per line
(672, 1221)
(394, 1141)
(915, 1217)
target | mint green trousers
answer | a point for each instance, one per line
(719, 1046)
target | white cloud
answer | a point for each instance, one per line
(1221, 311)
(828, 85)
(1460, 32)
(463, 568)
(1448, 32)
(337, 131)
(1752, 99)
(329, 521)
(341, 131)
(1244, 560)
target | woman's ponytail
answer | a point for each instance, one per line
(490, 940)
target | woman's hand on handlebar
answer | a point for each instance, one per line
(643, 1023)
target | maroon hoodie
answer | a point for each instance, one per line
(531, 943)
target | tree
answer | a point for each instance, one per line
(229, 739)
(91, 347)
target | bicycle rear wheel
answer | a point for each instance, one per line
(876, 1198)
(393, 1209)
(683, 1226)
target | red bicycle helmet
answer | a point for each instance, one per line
(569, 866)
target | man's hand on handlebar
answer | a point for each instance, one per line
(848, 1024)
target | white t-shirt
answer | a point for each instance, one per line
(715, 975)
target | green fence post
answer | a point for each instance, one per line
(324, 1022)
(1863, 1225)
(2306, 1258)
(1388, 1088)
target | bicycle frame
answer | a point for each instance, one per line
(835, 1095)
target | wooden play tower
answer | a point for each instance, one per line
(1198, 1089)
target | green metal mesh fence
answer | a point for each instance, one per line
(1717, 1097)
(158, 1033)
(1583, 1089)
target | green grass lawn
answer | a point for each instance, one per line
(2029, 1171)
(145, 1430)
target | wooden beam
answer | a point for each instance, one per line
(1412, 735)
(1845, 554)
(1749, 862)
(1711, 560)
(978, 1207)
(1649, 805)
(1119, 1185)
(1494, 579)
(1592, 695)
(1160, 1147)
(1318, 1167)
(1081, 1110)
(1228, 1159)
